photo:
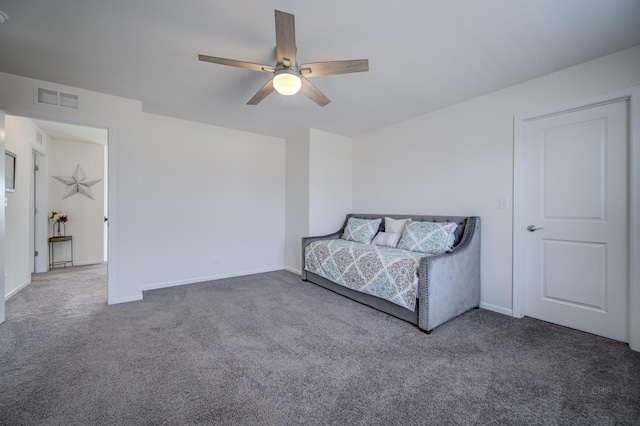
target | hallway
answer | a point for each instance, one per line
(61, 292)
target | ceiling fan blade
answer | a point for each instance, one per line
(286, 38)
(317, 69)
(262, 93)
(234, 63)
(312, 92)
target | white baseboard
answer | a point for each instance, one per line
(88, 262)
(295, 271)
(195, 280)
(16, 290)
(495, 308)
(125, 299)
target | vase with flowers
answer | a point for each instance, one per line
(59, 219)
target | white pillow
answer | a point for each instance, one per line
(386, 239)
(395, 225)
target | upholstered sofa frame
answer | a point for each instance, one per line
(448, 283)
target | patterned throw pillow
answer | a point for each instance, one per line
(428, 237)
(361, 230)
(386, 239)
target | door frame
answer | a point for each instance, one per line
(111, 184)
(632, 96)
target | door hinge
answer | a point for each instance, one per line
(35, 253)
(35, 211)
(36, 167)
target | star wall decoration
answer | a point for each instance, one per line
(78, 183)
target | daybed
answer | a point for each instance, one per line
(447, 284)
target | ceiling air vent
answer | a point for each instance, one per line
(68, 100)
(53, 97)
(46, 96)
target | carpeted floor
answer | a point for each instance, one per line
(269, 349)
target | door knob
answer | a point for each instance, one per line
(532, 228)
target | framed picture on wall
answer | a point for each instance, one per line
(9, 171)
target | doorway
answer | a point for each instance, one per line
(77, 176)
(51, 149)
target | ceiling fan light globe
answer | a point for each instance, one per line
(287, 84)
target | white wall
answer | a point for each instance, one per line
(297, 198)
(213, 202)
(459, 160)
(318, 188)
(182, 194)
(18, 134)
(21, 140)
(177, 188)
(330, 181)
(85, 223)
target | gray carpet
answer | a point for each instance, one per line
(270, 349)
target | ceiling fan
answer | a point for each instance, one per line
(289, 77)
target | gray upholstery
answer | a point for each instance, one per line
(449, 283)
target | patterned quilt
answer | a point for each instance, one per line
(384, 272)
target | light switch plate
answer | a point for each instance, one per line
(503, 202)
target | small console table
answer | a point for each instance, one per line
(52, 241)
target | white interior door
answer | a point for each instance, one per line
(39, 261)
(33, 226)
(574, 183)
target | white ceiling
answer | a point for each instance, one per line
(72, 132)
(423, 54)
